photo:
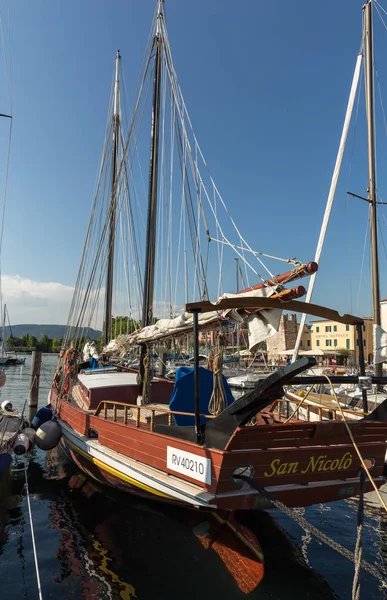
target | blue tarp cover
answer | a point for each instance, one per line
(183, 395)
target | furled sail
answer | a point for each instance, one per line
(261, 324)
(380, 345)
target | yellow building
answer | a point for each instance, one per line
(331, 337)
(306, 338)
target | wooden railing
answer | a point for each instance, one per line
(130, 409)
(319, 409)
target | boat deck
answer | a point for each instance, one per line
(125, 413)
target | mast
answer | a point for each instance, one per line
(237, 290)
(113, 205)
(147, 307)
(369, 83)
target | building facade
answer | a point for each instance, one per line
(286, 336)
(331, 338)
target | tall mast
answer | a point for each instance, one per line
(147, 307)
(369, 82)
(113, 205)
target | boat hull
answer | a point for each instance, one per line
(322, 481)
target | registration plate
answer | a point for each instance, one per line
(186, 463)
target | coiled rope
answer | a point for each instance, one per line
(27, 493)
(146, 383)
(216, 403)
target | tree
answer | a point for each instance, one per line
(344, 354)
(44, 344)
(32, 342)
(56, 345)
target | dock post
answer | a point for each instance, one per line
(35, 378)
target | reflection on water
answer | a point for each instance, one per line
(113, 545)
(97, 543)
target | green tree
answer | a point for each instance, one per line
(44, 343)
(343, 354)
(32, 342)
(56, 345)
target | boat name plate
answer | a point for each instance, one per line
(186, 463)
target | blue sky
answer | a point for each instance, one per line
(266, 85)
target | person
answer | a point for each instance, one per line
(93, 355)
(288, 361)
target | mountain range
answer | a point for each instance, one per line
(52, 331)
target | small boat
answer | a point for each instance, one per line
(6, 359)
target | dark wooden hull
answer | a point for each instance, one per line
(300, 463)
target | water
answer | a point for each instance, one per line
(116, 546)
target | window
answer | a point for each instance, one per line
(347, 328)
(317, 329)
(328, 342)
(363, 327)
(364, 342)
(334, 327)
(328, 328)
(317, 342)
(347, 343)
(335, 342)
(308, 343)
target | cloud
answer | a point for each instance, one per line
(37, 302)
(49, 303)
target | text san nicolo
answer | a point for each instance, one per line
(315, 464)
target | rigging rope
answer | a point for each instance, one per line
(217, 402)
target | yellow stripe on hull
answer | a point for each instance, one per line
(117, 473)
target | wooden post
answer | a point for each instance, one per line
(35, 378)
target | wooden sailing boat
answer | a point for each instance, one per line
(118, 425)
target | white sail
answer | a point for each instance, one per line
(261, 325)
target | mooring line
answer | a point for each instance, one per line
(32, 533)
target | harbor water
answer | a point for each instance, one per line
(96, 543)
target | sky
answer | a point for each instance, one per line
(266, 85)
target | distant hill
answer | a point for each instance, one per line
(52, 331)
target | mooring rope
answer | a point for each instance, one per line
(32, 532)
(290, 512)
(359, 547)
(146, 383)
(355, 445)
